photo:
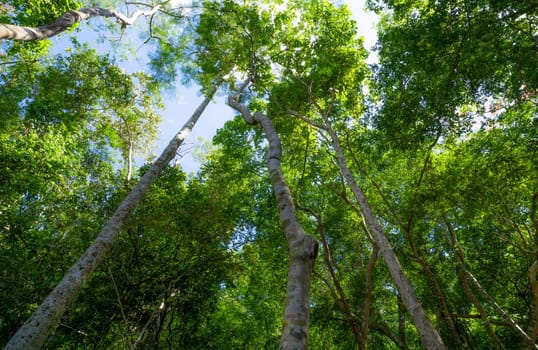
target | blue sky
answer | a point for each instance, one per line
(180, 104)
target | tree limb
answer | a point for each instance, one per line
(67, 20)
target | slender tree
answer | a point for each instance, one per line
(35, 331)
(303, 248)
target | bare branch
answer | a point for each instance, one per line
(67, 20)
(233, 101)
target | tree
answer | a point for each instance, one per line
(50, 159)
(66, 21)
(37, 328)
(168, 267)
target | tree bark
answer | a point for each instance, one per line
(533, 271)
(67, 20)
(368, 290)
(445, 313)
(303, 248)
(429, 336)
(35, 331)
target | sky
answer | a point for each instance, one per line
(180, 104)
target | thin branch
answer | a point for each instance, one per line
(346, 308)
(460, 257)
(15, 62)
(513, 324)
(120, 304)
(306, 119)
(74, 329)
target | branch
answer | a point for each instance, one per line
(476, 316)
(342, 298)
(16, 62)
(120, 305)
(67, 20)
(460, 257)
(511, 322)
(233, 101)
(306, 119)
(368, 290)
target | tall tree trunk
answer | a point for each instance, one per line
(429, 336)
(67, 20)
(446, 315)
(35, 331)
(303, 248)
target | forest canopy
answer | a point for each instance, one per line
(347, 205)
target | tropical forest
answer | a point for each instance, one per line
(346, 194)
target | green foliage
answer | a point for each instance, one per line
(53, 196)
(438, 56)
(87, 95)
(61, 124)
(168, 269)
(36, 13)
(247, 315)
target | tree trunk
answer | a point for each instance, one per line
(67, 20)
(303, 248)
(429, 336)
(533, 284)
(35, 331)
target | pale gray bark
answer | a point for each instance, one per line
(67, 20)
(35, 331)
(429, 336)
(510, 321)
(303, 248)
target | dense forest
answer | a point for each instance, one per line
(347, 205)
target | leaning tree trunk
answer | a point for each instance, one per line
(303, 248)
(35, 331)
(429, 336)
